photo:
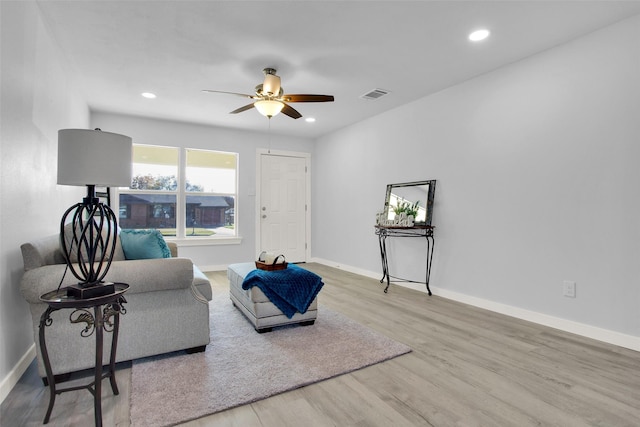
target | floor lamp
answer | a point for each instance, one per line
(88, 230)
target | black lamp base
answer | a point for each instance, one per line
(92, 291)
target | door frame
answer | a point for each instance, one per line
(307, 163)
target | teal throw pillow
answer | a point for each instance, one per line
(144, 244)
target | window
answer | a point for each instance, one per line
(204, 206)
(210, 189)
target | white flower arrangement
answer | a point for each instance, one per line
(400, 220)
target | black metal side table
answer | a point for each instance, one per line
(424, 231)
(105, 308)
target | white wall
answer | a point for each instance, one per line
(159, 132)
(537, 169)
(37, 98)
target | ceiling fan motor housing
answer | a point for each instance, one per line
(264, 94)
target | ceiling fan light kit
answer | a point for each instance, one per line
(270, 98)
(268, 108)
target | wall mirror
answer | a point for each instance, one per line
(412, 192)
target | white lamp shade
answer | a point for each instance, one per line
(268, 108)
(93, 157)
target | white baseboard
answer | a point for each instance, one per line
(593, 332)
(14, 375)
(212, 267)
(350, 269)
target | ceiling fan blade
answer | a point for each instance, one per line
(307, 98)
(291, 112)
(244, 95)
(241, 109)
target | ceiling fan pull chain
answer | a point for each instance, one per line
(269, 136)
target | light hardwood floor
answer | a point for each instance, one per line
(469, 367)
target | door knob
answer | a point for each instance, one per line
(264, 216)
(264, 208)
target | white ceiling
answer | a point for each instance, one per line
(118, 49)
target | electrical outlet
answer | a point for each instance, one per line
(569, 289)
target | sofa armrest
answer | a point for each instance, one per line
(149, 275)
(145, 275)
(202, 284)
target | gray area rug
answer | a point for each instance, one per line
(241, 366)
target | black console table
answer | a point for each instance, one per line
(105, 308)
(423, 231)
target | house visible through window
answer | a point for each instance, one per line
(208, 192)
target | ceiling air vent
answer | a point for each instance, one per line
(375, 94)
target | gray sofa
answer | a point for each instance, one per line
(167, 307)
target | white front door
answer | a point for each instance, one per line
(282, 206)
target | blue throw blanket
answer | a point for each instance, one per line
(292, 289)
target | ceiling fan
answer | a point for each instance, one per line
(270, 98)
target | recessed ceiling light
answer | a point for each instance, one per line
(310, 119)
(148, 95)
(479, 35)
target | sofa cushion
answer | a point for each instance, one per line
(44, 251)
(118, 255)
(144, 244)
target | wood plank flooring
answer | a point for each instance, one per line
(469, 367)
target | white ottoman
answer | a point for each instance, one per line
(253, 303)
